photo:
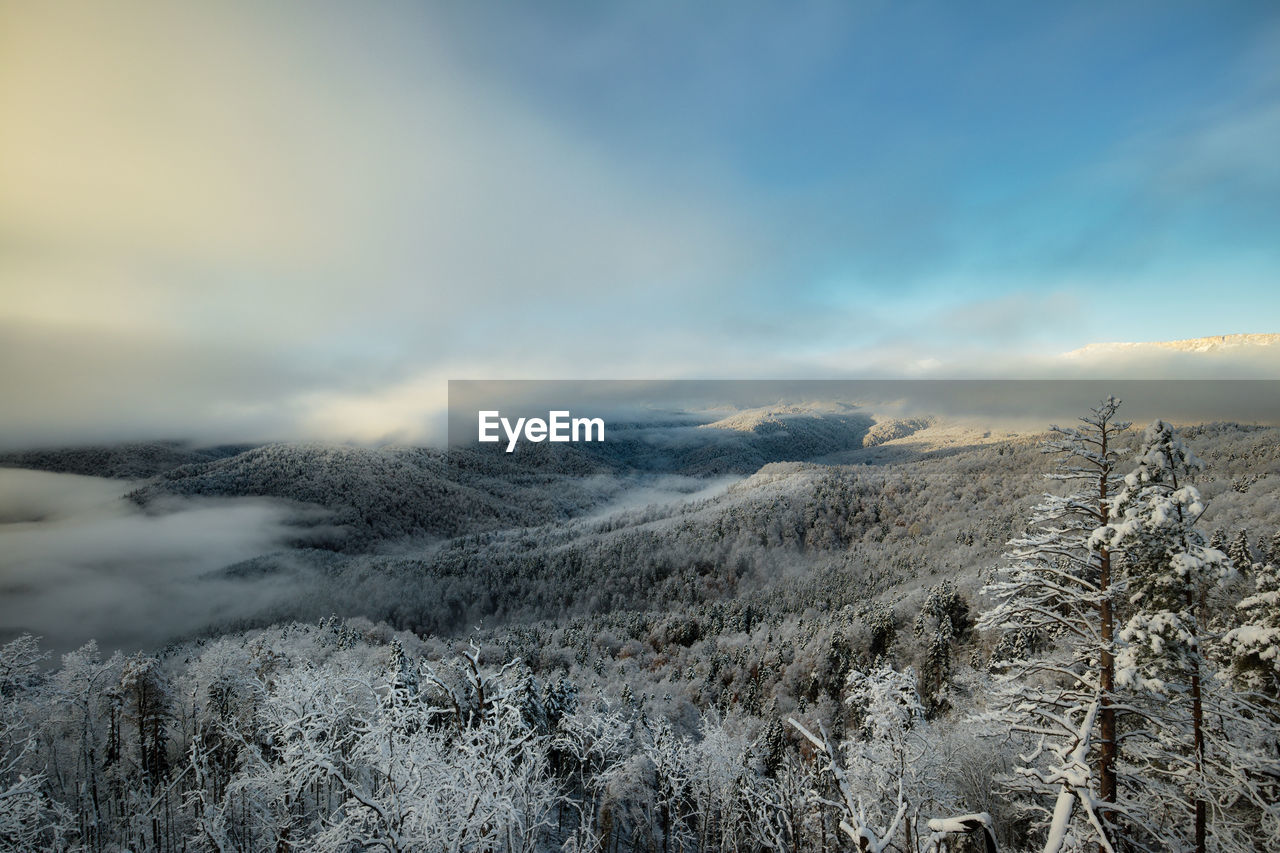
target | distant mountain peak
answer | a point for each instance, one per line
(1210, 344)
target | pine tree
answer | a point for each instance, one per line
(1240, 553)
(943, 619)
(1056, 587)
(1169, 571)
(404, 674)
(1255, 645)
(772, 745)
(879, 619)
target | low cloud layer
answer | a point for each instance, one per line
(77, 562)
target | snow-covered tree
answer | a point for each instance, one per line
(1055, 596)
(337, 766)
(28, 820)
(1240, 553)
(854, 820)
(1170, 574)
(83, 717)
(1254, 645)
(882, 781)
(943, 619)
(590, 744)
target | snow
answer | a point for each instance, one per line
(960, 823)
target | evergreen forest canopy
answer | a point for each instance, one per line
(908, 640)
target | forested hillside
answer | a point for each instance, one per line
(133, 461)
(901, 650)
(378, 495)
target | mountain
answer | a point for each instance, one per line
(1214, 357)
(380, 494)
(376, 495)
(1212, 345)
(791, 536)
(711, 445)
(691, 631)
(129, 461)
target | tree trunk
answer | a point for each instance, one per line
(1197, 727)
(1197, 722)
(1106, 714)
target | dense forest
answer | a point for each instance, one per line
(1061, 642)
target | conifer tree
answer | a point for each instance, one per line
(1170, 571)
(1254, 645)
(1240, 553)
(1057, 587)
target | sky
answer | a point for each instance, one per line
(248, 221)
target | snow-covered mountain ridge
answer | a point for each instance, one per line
(1209, 344)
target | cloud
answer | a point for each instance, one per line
(77, 562)
(76, 383)
(240, 222)
(309, 209)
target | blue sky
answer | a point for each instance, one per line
(926, 155)
(302, 218)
